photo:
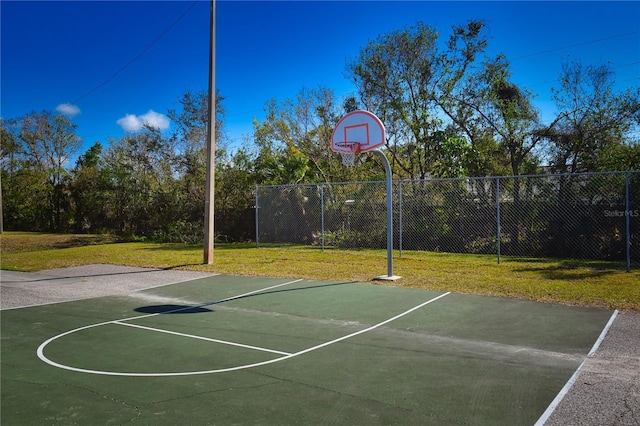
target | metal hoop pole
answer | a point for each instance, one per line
(387, 168)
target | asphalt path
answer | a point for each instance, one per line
(605, 390)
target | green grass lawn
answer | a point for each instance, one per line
(599, 284)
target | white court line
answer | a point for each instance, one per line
(217, 302)
(40, 351)
(209, 275)
(222, 370)
(563, 392)
(192, 336)
(373, 327)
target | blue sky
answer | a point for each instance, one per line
(112, 65)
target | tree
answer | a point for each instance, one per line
(302, 126)
(191, 123)
(89, 187)
(141, 182)
(42, 145)
(190, 138)
(454, 154)
(235, 196)
(593, 122)
(10, 166)
(407, 80)
(507, 110)
(620, 157)
(506, 113)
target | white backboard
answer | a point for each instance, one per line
(360, 127)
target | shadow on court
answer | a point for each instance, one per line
(290, 352)
(172, 309)
(188, 309)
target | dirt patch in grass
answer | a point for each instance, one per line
(17, 242)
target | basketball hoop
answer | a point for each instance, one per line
(348, 151)
(358, 131)
(361, 131)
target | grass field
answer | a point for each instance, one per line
(598, 284)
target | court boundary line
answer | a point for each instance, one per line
(565, 389)
(40, 350)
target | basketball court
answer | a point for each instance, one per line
(117, 345)
(246, 350)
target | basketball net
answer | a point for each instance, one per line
(349, 157)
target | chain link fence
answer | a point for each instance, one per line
(593, 216)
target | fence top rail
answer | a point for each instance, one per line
(315, 185)
(549, 175)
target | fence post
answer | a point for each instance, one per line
(257, 230)
(627, 216)
(322, 214)
(498, 215)
(400, 216)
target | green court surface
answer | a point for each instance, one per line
(234, 350)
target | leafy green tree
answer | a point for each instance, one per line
(304, 125)
(142, 183)
(621, 157)
(408, 80)
(23, 188)
(89, 186)
(287, 167)
(190, 137)
(507, 113)
(191, 122)
(593, 122)
(293, 129)
(235, 196)
(8, 150)
(41, 146)
(455, 154)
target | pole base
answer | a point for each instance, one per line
(387, 278)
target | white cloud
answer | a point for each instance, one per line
(153, 119)
(68, 110)
(134, 123)
(130, 123)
